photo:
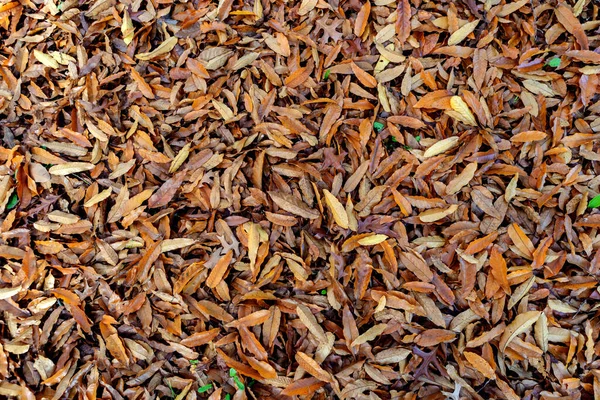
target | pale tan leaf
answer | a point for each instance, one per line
(441, 146)
(520, 324)
(462, 179)
(337, 209)
(293, 205)
(306, 6)
(70, 168)
(541, 332)
(371, 334)
(309, 320)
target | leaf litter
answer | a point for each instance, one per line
(300, 199)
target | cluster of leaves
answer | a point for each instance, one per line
(386, 199)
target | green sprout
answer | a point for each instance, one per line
(236, 379)
(205, 388)
(378, 126)
(554, 62)
(227, 396)
(595, 202)
(418, 138)
(324, 291)
(326, 74)
(13, 201)
(194, 362)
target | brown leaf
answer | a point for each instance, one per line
(365, 78)
(565, 16)
(293, 205)
(403, 25)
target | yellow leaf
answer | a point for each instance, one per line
(435, 214)
(459, 105)
(180, 158)
(441, 146)
(98, 198)
(462, 33)
(223, 110)
(163, 48)
(337, 209)
(372, 240)
(45, 59)
(127, 28)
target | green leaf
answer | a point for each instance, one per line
(394, 139)
(13, 201)
(227, 396)
(595, 202)
(232, 372)
(326, 74)
(418, 138)
(554, 62)
(205, 388)
(378, 126)
(239, 383)
(194, 362)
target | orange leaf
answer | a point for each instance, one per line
(365, 78)
(200, 338)
(480, 364)
(303, 387)
(241, 368)
(521, 240)
(362, 19)
(539, 255)
(431, 337)
(499, 271)
(565, 16)
(481, 243)
(403, 26)
(440, 99)
(297, 77)
(218, 272)
(528, 136)
(312, 367)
